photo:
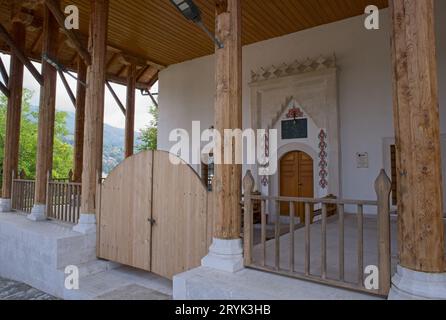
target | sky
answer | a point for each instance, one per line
(112, 114)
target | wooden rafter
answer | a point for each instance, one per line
(112, 60)
(115, 96)
(20, 54)
(3, 72)
(54, 7)
(36, 42)
(142, 72)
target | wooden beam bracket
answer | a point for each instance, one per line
(115, 96)
(67, 87)
(21, 55)
(4, 90)
(4, 73)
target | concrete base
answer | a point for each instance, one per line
(86, 224)
(224, 255)
(210, 284)
(38, 253)
(412, 285)
(5, 205)
(38, 213)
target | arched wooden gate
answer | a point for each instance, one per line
(154, 215)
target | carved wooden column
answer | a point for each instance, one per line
(14, 111)
(47, 110)
(130, 111)
(417, 125)
(226, 250)
(94, 115)
(80, 120)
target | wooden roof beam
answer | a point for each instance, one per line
(54, 7)
(6, 37)
(129, 58)
(123, 81)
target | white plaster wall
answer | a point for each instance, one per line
(365, 89)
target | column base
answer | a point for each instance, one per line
(86, 224)
(413, 285)
(5, 205)
(225, 255)
(38, 213)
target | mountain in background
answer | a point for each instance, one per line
(113, 143)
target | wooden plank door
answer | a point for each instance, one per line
(125, 211)
(296, 180)
(180, 232)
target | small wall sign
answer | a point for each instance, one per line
(295, 129)
(362, 160)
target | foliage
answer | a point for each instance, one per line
(149, 135)
(63, 152)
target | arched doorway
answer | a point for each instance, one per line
(296, 180)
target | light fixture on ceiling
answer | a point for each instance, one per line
(191, 12)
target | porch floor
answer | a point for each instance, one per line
(350, 245)
(123, 283)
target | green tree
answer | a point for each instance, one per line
(63, 152)
(149, 136)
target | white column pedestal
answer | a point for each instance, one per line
(5, 205)
(225, 255)
(38, 213)
(413, 285)
(86, 224)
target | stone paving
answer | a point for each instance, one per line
(13, 290)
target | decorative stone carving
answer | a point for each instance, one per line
(310, 86)
(296, 67)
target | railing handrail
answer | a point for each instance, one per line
(382, 188)
(63, 200)
(316, 200)
(59, 182)
(24, 180)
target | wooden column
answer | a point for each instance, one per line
(94, 107)
(130, 111)
(47, 108)
(417, 125)
(228, 115)
(12, 135)
(80, 120)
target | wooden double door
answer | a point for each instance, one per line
(296, 180)
(154, 215)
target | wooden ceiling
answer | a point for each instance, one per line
(155, 31)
